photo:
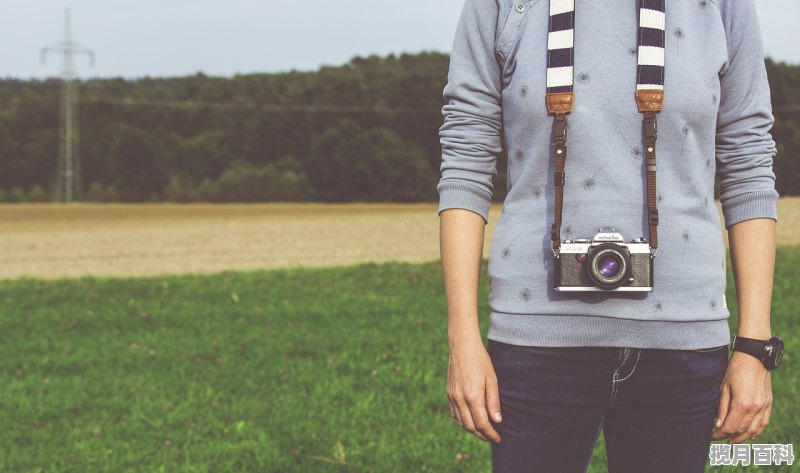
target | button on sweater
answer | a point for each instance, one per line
(715, 121)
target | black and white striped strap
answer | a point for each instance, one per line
(649, 95)
(561, 51)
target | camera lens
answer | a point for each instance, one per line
(608, 265)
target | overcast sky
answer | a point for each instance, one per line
(134, 38)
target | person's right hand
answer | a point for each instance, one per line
(471, 386)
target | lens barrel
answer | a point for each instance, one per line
(608, 265)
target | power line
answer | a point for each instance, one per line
(379, 108)
(68, 185)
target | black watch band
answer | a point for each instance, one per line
(769, 352)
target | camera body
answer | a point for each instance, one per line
(606, 263)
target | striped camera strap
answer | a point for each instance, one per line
(649, 94)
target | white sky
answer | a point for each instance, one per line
(134, 38)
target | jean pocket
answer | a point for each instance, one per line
(712, 349)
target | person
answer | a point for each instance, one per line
(650, 368)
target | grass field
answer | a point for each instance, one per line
(197, 357)
(51, 241)
(304, 370)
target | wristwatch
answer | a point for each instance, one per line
(769, 351)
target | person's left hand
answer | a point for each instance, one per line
(745, 401)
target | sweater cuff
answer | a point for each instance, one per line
(462, 195)
(756, 204)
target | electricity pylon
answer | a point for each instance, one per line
(68, 188)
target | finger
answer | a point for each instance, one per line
(449, 401)
(748, 431)
(732, 430)
(477, 411)
(477, 407)
(493, 399)
(754, 428)
(454, 409)
(722, 412)
(748, 408)
(757, 424)
(452, 392)
(729, 424)
(767, 412)
(764, 420)
(466, 417)
(736, 412)
(752, 421)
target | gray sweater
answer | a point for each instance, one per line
(715, 121)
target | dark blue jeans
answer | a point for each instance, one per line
(656, 407)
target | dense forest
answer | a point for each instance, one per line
(364, 131)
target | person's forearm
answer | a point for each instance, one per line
(461, 246)
(752, 244)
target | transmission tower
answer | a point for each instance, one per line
(68, 188)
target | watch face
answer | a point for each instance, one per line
(774, 351)
(779, 351)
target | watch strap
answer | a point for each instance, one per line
(751, 346)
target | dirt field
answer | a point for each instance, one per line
(51, 241)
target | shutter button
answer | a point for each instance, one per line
(520, 7)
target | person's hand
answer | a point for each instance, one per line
(471, 385)
(745, 401)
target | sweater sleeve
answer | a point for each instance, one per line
(744, 145)
(471, 135)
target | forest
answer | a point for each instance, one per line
(365, 131)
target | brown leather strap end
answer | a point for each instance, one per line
(650, 100)
(559, 102)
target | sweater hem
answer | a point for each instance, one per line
(588, 330)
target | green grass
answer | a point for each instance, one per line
(323, 370)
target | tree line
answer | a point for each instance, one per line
(364, 131)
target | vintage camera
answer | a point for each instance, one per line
(606, 263)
